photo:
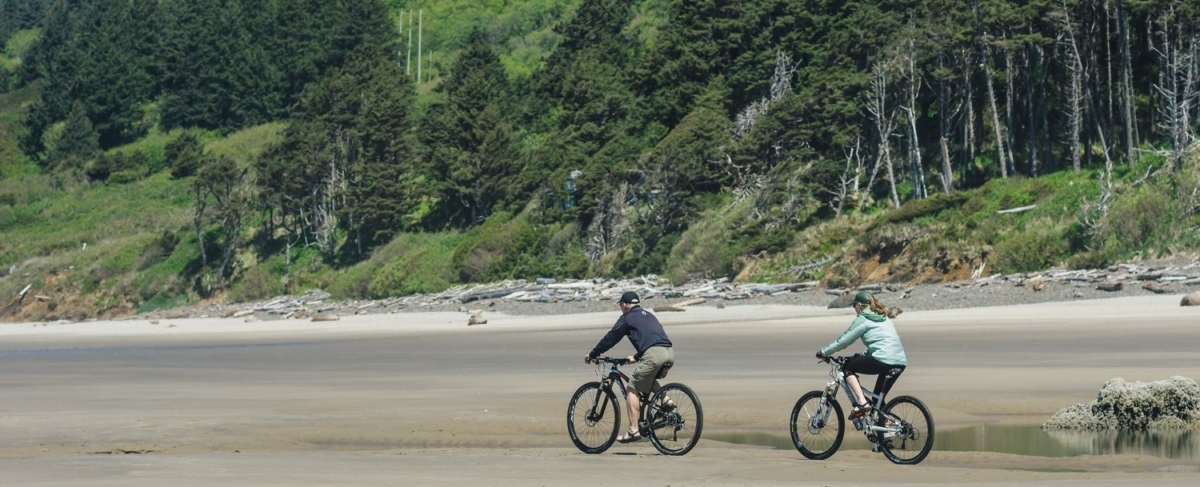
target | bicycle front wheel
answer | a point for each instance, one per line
(909, 441)
(593, 418)
(674, 419)
(817, 425)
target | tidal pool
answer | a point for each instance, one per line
(1017, 439)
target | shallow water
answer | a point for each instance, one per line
(1019, 440)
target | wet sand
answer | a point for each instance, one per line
(423, 399)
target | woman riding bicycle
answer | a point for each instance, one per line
(884, 350)
(653, 353)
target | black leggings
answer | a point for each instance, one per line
(865, 364)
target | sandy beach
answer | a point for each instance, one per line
(422, 399)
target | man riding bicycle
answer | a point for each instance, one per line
(653, 353)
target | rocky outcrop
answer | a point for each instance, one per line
(1173, 403)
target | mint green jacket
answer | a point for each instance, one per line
(877, 332)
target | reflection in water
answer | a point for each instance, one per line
(1032, 440)
(1020, 440)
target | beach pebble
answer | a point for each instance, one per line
(476, 319)
(1191, 299)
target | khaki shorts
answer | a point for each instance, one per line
(647, 368)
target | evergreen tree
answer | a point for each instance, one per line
(469, 137)
(78, 142)
(184, 155)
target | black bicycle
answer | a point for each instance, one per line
(672, 418)
(902, 429)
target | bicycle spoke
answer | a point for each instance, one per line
(910, 431)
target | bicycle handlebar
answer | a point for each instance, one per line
(610, 360)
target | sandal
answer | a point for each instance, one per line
(860, 410)
(629, 437)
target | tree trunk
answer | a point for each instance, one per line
(943, 97)
(987, 71)
(969, 120)
(885, 125)
(420, 31)
(914, 146)
(1033, 70)
(1008, 110)
(1075, 69)
(408, 60)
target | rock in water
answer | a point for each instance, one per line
(1135, 406)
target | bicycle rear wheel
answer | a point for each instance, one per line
(817, 427)
(674, 426)
(593, 418)
(910, 441)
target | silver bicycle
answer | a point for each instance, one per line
(901, 428)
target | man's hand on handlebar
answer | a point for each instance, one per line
(587, 359)
(822, 357)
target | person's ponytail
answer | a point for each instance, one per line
(877, 306)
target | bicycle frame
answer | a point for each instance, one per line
(615, 375)
(878, 420)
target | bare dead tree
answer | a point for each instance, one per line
(408, 59)
(914, 78)
(848, 184)
(420, 32)
(999, 129)
(787, 205)
(1010, 69)
(1126, 83)
(781, 85)
(1075, 69)
(884, 118)
(747, 179)
(969, 119)
(1176, 85)
(1032, 72)
(947, 110)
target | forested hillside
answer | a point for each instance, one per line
(158, 152)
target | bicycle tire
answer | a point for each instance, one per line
(915, 438)
(817, 430)
(593, 433)
(675, 431)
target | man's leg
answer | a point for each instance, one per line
(635, 403)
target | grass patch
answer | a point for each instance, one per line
(410, 263)
(246, 144)
(42, 221)
(704, 249)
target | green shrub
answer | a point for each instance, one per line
(422, 264)
(255, 283)
(157, 250)
(931, 206)
(1137, 221)
(355, 282)
(1039, 245)
(507, 247)
(162, 301)
(482, 247)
